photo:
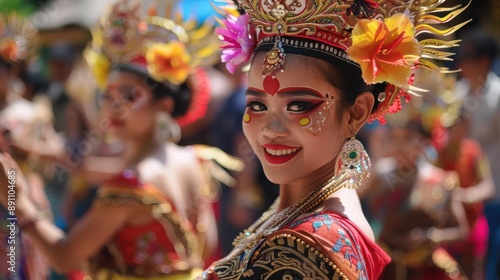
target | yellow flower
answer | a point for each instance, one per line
(100, 66)
(168, 62)
(385, 50)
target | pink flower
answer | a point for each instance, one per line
(237, 42)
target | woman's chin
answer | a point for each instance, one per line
(278, 177)
(118, 133)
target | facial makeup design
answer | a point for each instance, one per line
(247, 118)
(303, 108)
(271, 85)
(315, 122)
(132, 97)
(305, 121)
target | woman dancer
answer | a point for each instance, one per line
(466, 157)
(310, 91)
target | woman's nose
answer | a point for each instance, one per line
(275, 127)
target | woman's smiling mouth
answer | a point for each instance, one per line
(278, 154)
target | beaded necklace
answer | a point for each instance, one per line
(255, 233)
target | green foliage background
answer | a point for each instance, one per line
(23, 7)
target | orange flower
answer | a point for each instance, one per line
(168, 62)
(385, 50)
(8, 49)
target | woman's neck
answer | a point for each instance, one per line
(294, 192)
(135, 150)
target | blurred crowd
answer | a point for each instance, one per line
(433, 198)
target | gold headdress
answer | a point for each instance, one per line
(379, 37)
(18, 38)
(150, 40)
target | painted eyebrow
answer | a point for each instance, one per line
(255, 92)
(286, 92)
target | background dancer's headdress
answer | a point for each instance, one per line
(377, 37)
(18, 38)
(149, 38)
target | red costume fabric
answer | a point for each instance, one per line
(322, 245)
(159, 247)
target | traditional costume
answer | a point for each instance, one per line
(149, 41)
(373, 38)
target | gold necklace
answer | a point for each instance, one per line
(252, 236)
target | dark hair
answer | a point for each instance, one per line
(181, 94)
(5, 64)
(476, 44)
(347, 78)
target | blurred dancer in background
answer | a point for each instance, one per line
(152, 217)
(26, 132)
(466, 157)
(480, 89)
(415, 202)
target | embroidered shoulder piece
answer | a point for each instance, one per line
(290, 255)
(120, 197)
(176, 228)
(336, 239)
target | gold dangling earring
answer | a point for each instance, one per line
(166, 129)
(354, 162)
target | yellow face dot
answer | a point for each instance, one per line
(304, 121)
(246, 118)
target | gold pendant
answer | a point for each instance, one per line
(275, 58)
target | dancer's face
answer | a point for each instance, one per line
(407, 145)
(127, 104)
(292, 122)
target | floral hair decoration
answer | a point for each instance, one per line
(154, 41)
(377, 37)
(18, 38)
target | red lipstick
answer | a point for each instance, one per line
(280, 153)
(116, 122)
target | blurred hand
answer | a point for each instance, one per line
(13, 187)
(417, 238)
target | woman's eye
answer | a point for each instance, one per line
(105, 97)
(256, 106)
(130, 96)
(301, 106)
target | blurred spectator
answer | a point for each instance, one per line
(481, 89)
(414, 202)
(466, 157)
(61, 60)
(26, 133)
